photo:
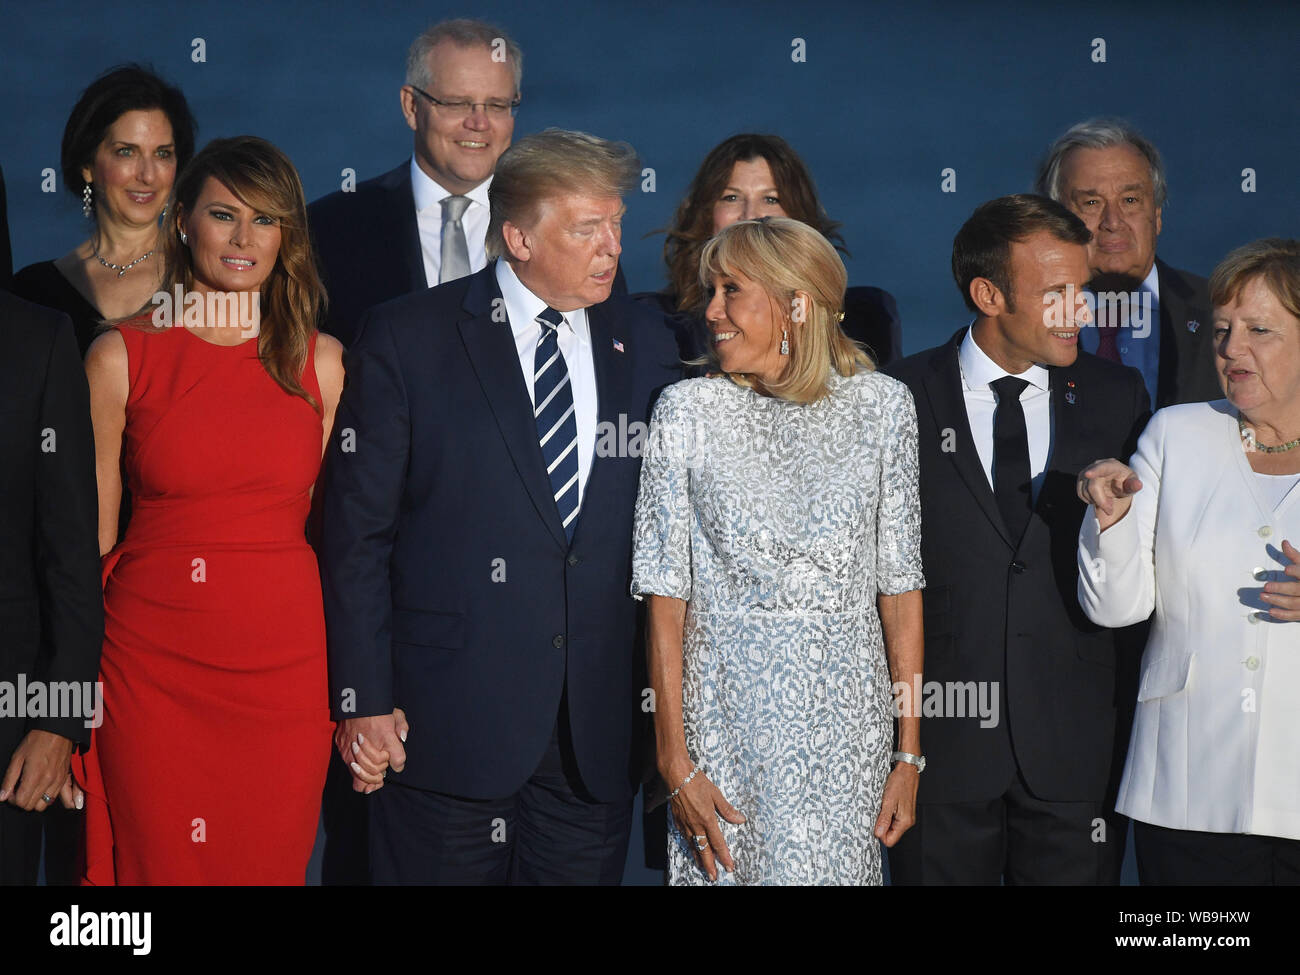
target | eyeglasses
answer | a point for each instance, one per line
(463, 109)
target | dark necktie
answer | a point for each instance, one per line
(1011, 472)
(557, 427)
(1108, 332)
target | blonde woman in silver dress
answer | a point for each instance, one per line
(778, 545)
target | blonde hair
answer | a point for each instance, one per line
(552, 163)
(784, 256)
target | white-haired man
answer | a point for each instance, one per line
(1149, 315)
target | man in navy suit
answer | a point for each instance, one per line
(425, 222)
(51, 601)
(388, 236)
(1114, 180)
(477, 540)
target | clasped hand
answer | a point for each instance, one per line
(38, 768)
(370, 746)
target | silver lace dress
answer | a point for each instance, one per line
(780, 523)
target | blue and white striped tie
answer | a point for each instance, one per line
(557, 427)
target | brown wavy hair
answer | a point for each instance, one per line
(692, 224)
(292, 297)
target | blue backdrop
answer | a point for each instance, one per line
(889, 96)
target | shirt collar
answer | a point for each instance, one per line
(978, 370)
(523, 307)
(1152, 282)
(429, 193)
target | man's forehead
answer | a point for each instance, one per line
(1084, 166)
(451, 63)
(1043, 250)
(576, 207)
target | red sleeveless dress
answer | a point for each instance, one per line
(210, 761)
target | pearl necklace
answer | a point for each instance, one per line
(1249, 435)
(122, 268)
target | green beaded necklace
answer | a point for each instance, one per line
(1249, 434)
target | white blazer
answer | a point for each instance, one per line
(1216, 737)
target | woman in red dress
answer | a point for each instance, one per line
(209, 764)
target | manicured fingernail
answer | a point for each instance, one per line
(80, 802)
(356, 749)
(357, 768)
(361, 738)
(403, 736)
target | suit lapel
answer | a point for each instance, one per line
(1066, 399)
(943, 388)
(495, 360)
(612, 383)
(408, 229)
(1177, 370)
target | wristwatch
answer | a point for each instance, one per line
(910, 759)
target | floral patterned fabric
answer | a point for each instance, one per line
(780, 523)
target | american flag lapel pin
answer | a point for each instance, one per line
(618, 346)
(1069, 392)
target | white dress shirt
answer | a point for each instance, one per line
(429, 195)
(1216, 733)
(574, 337)
(977, 371)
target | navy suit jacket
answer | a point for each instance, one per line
(1188, 370)
(51, 600)
(368, 248)
(450, 589)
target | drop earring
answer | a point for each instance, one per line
(785, 342)
(184, 238)
(87, 207)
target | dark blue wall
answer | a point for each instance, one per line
(890, 95)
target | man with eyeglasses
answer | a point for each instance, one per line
(414, 227)
(424, 222)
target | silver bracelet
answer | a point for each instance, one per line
(694, 772)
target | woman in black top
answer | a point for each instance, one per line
(746, 177)
(125, 141)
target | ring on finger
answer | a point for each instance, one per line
(701, 842)
(46, 797)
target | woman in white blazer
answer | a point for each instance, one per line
(1204, 530)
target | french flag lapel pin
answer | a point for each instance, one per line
(618, 346)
